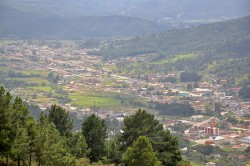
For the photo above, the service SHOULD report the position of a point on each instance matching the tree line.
(51, 141)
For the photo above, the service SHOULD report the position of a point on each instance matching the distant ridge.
(20, 25)
(231, 37)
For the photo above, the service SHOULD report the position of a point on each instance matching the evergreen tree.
(144, 124)
(5, 123)
(50, 147)
(78, 146)
(95, 132)
(30, 126)
(60, 118)
(167, 149)
(140, 124)
(113, 153)
(19, 150)
(141, 153)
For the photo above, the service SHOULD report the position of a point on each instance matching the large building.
(212, 130)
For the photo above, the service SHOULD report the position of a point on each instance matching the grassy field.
(36, 80)
(29, 72)
(176, 58)
(42, 88)
(88, 100)
(196, 164)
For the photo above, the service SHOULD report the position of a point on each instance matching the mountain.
(159, 10)
(83, 19)
(223, 37)
(218, 48)
(18, 24)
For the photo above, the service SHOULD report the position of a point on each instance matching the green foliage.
(78, 146)
(245, 92)
(189, 77)
(163, 142)
(207, 149)
(175, 109)
(13, 133)
(184, 163)
(166, 146)
(180, 127)
(24, 140)
(113, 153)
(5, 125)
(95, 132)
(170, 79)
(232, 120)
(141, 153)
(140, 124)
(50, 148)
(61, 119)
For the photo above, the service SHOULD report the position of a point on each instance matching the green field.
(29, 72)
(31, 80)
(176, 58)
(42, 88)
(88, 100)
(196, 164)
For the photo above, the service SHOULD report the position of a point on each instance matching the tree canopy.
(175, 109)
(141, 153)
(163, 142)
(95, 132)
(60, 118)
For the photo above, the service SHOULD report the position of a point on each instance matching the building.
(245, 140)
(210, 164)
(212, 130)
(219, 94)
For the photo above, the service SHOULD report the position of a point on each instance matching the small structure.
(197, 117)
(210, 164)
(209, 142)
(245, 140)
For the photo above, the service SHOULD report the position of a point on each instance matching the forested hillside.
(207, 48)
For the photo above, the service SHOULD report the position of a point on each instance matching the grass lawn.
(32, 80)
(196, 164)
(29, 72)
(42, 88)
(88, 100)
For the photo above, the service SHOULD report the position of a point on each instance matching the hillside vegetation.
(212, 48)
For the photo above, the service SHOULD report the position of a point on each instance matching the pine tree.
(78, 146)
(95, 132)
(60, 118)
(163, 142)
(140, 124)
(50, 147)
(5, 123)
(166, 146)
(141, 153)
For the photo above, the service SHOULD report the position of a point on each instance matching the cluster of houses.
(78, 71)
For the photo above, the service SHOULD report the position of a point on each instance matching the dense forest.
(51, 141)
(228, 37)
(220, 49)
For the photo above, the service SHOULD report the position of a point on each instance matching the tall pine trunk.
(30, 159)
(18, 162)
(7, 160)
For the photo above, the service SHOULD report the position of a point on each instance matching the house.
(210, 164)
